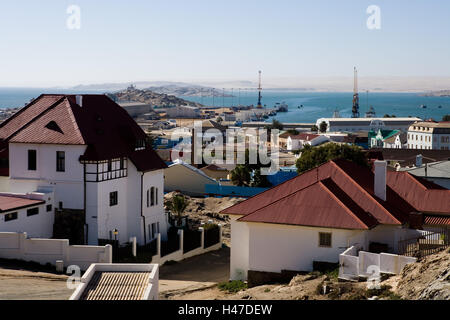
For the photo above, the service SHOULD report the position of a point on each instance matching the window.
(109, 165)
(152, 196)
(324, 239)
(113, 198)
(122, 163)
(154, 229)
(10, 216)
(60, 161)
(49, 207)
(32, 160)
(60, 205)
(32, 211)
(148, 198)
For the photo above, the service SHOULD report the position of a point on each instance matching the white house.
(95, 157)
(429, 135)
(185, 178)
(297, 142)
(316, 216)
(366, 124)
(29, 212)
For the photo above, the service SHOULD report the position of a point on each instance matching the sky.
(211, 40)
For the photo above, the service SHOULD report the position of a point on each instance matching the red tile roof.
(103, 126)
(337, 194)
(437, 220)
(8, 203)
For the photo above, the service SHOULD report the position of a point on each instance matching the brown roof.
(437, 220)
(8, 203)
(339, 194)
(102, 125)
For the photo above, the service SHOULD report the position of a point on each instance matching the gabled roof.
(99, 123)
(338, 194)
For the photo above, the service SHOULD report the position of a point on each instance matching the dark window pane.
(32, 211)
(32, 160)
(113, 198)
(60, 161)
(49, 207)
(10, 216)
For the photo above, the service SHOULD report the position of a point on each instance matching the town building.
(437, 172)
(408, 158)
(298, 142)
(31, 212)
(183, 112)
(94, 157)
(183, 177)
(382, 138)
(316, 216)
(366, 124)
(429, 136)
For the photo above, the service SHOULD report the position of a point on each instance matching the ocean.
(315, 104)
(323, 104)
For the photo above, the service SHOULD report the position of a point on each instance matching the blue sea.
(323, 104)
(315, 104)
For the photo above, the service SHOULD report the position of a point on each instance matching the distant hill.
(149, 97)
(440, 93)
(193, 91)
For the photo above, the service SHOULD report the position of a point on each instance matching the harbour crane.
(355, 108)
(259, 105)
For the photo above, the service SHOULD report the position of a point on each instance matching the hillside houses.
(94, 157)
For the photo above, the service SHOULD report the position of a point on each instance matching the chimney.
(418, 160)
(79, 100)
(380, 179)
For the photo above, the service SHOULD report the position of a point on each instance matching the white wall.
(43, 251)
(68, 185)
(239, 249)
(273, 248)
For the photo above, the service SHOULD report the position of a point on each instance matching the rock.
(438, 289)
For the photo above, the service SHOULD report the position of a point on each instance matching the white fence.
(17, 246)
(354, 264)
(179, 255)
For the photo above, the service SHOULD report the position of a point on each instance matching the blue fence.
(232, 191)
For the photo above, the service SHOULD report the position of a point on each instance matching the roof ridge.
(367, 193)
(278, 185)
(347, 209)
(269, 204)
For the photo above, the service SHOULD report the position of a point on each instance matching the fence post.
(133, 246)
(181, 234)
(108, 253)
(22, 239)
(65, 252)
(220, 233)
(158, 245)
(202, 237)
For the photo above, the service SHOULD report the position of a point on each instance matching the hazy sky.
(194, 40)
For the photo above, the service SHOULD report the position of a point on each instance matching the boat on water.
(439, 107)
(281, 107)
(423, 106)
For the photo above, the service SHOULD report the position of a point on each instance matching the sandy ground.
(29, 285)
(204, 209)
(194, 275)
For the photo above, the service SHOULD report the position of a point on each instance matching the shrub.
(232, 286)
